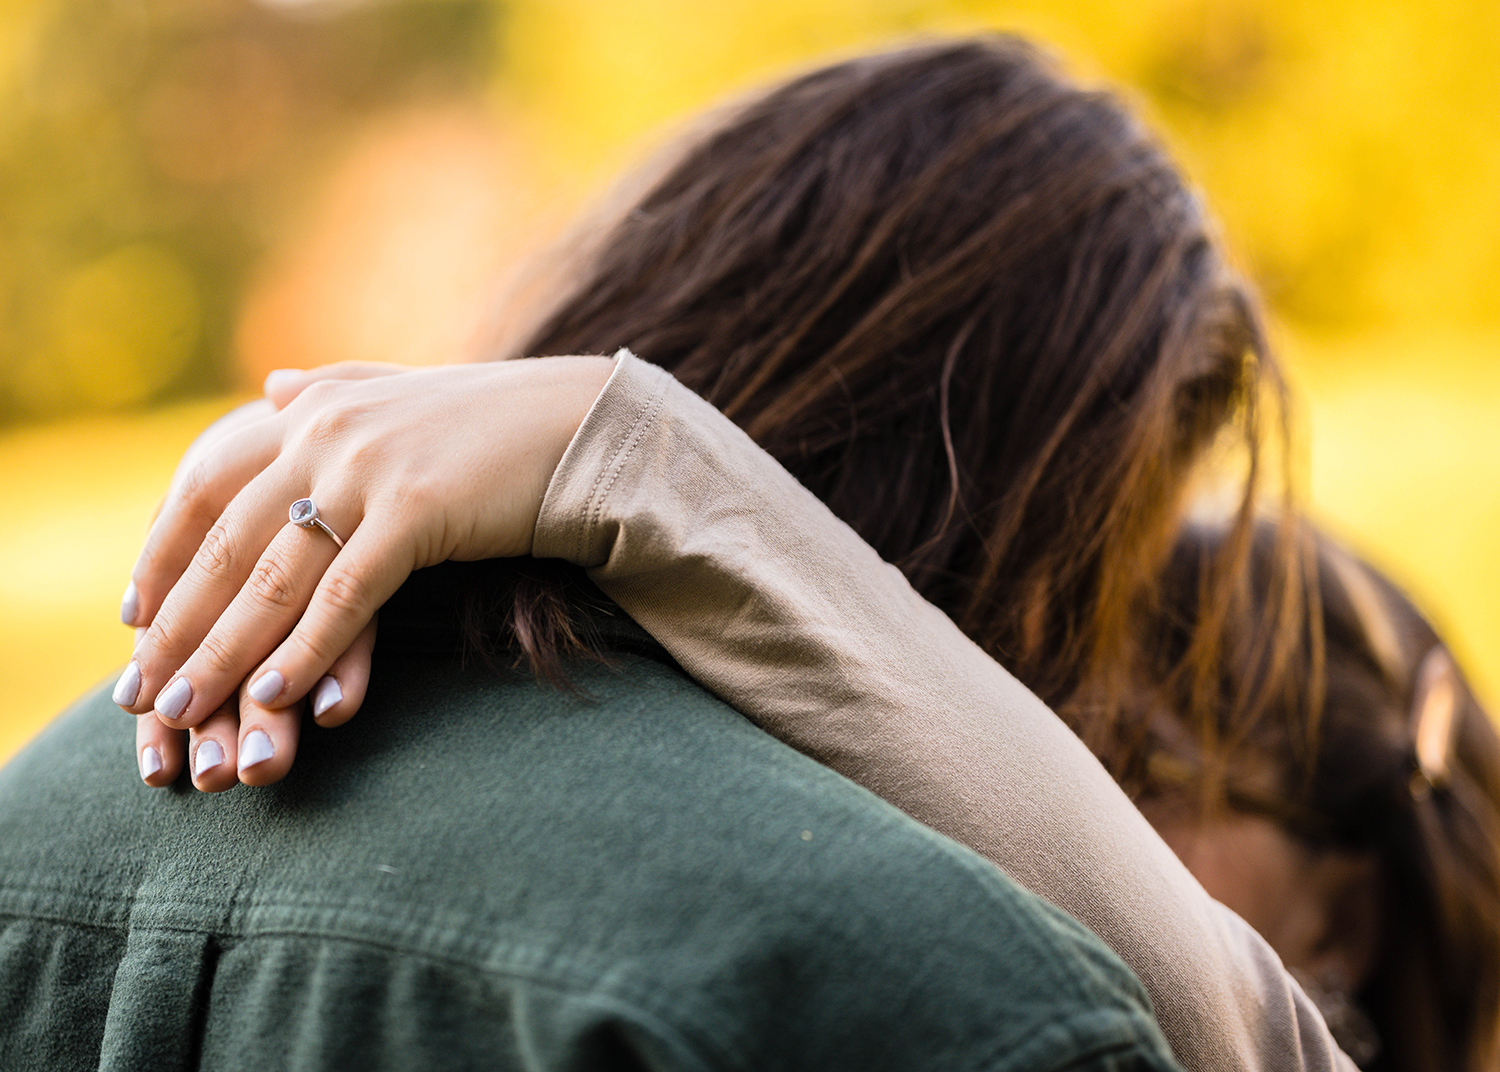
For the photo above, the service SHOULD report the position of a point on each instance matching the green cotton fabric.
(483, 872)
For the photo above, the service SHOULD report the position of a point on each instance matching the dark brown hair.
(1365, 661)
(974, 308)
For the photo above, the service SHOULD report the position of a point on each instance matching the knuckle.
(217, 554)
(319, 392)
(330, 425)
(270, 582)
(341, 427)
(310, 648)
(195, 493)
(217, 655)
(162, 634)
(193, 485)
(344, 595)
(364, 454)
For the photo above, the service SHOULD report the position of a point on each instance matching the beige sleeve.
(775, 605)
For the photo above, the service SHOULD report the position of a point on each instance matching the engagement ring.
(304, 512)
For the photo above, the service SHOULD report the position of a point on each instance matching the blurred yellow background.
(197, 191)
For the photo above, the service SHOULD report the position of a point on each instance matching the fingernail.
(325, 695)
(267, 687)
(255, 748)
(150, 762)
(173, 699)
(208, 756)
(128, 688)
(130, 604)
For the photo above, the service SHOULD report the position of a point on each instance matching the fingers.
(303, 589)
(210, 438)
(267, 741)
(261, 743)
(340, 692)
(159, 751)
(208, 480)
(283, 385)
(197, 656)
(268, 736)
(240, 742)
(209, 751)
(213, 745)
(229, 559)
(335, 635)
(246, 583)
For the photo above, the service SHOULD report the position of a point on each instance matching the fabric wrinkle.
(838, 656)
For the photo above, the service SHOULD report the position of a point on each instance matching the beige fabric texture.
(780, 609)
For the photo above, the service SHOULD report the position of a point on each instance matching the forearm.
(784, 612)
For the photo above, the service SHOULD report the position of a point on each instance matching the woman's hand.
(409, 468)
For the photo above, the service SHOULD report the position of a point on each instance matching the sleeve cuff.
(568, 524)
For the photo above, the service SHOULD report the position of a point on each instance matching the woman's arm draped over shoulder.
(783, 611)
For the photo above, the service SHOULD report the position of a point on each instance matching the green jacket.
(481, 872)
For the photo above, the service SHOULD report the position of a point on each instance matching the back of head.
(1381, 750)
(1430, 810)
(971, 305)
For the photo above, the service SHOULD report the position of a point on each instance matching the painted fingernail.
(267, 687)
(255, 748)
(174, 699)
(130, 604)
(128, 688)
(150, 762)
(325, 695)
(208, 756)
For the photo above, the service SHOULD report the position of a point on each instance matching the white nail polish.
(208, 756)
(267, 687)
(255, 748)
(128, 688)
(150, 762)
(325, 695)
(174, 698)
(130, 604)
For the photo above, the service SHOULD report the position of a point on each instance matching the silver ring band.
(304, 512)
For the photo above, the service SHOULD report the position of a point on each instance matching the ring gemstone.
(303, 512)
